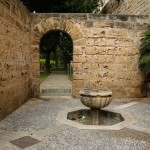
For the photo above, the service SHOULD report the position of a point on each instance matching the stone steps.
(56, 92)
(57, 84)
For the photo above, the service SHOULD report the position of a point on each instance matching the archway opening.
(56, 51)
(56, 54)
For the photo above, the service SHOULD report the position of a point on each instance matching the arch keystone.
(49, 23)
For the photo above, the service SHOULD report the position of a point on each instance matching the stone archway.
(38, 30)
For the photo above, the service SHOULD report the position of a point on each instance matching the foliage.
(145, 53)
(57, 42)
(81, 6)
(43, 76)
(42, 62)
(61, 6)
(56, 45)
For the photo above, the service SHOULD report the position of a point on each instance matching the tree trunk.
(47, 63)
(56, 61)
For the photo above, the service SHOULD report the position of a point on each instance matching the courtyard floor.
(37, 119)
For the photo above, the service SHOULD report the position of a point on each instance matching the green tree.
(80, 6)
(59, 44)
(61, 6)
(48, 44)
(144, 61)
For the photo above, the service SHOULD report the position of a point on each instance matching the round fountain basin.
(96, 98)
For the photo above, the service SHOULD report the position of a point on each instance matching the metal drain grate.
(25, 142)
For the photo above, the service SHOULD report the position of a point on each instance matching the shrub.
(144, 61)
(42, 62)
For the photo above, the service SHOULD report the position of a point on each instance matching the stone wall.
(105, 52)
(14, 55)
(106, 49)
(127, 7)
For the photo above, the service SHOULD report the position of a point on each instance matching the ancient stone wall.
(14, 55)
(106, 49)
(105, 52)
(127, 7)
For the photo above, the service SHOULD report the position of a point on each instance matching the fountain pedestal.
(95, 116)
(95, 99)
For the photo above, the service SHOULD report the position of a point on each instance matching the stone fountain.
(95, 99)
(95, 116)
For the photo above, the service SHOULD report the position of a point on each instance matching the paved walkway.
(57, 84)
(37, 119)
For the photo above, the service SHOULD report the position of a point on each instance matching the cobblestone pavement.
(37, 119)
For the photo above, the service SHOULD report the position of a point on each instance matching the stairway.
(57, 84)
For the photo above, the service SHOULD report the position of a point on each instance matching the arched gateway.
(44, 26)
(105, 50)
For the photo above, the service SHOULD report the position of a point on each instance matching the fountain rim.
(128, 120)
(95, 92)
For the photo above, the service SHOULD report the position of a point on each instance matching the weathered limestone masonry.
(106, 50)
(127, 7)
(14, 55)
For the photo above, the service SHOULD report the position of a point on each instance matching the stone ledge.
(91, 17)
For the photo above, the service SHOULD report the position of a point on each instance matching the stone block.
(105, 74)
(103, 24)
(90, 41)
(36, 90)
(99, 58)
(75, 92)
(109, 58)
(93, 50)
(91, 66)
(35, 67)
(78, 50)
(124, 75)
(77, 67)
(108, 83)
(80, 42)
(116, 50)
(121, 59)
(73, 30)
(88, 24)
(35, 58)
(84, 32)
(84, 75)
(78, 75)
(78, 83)
(119, 92)
(79, 59)
(93, 83)
(9, 17)
(118, 33)
(124, 42)
(97, 32)
(101, 41)
(77, 36)
(38, 29)
(133, 92)
(124, 25)
(110, 42)
(1, 11)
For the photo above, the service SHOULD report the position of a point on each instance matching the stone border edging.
(62, 117)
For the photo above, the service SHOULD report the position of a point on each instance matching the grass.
(43, 76)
